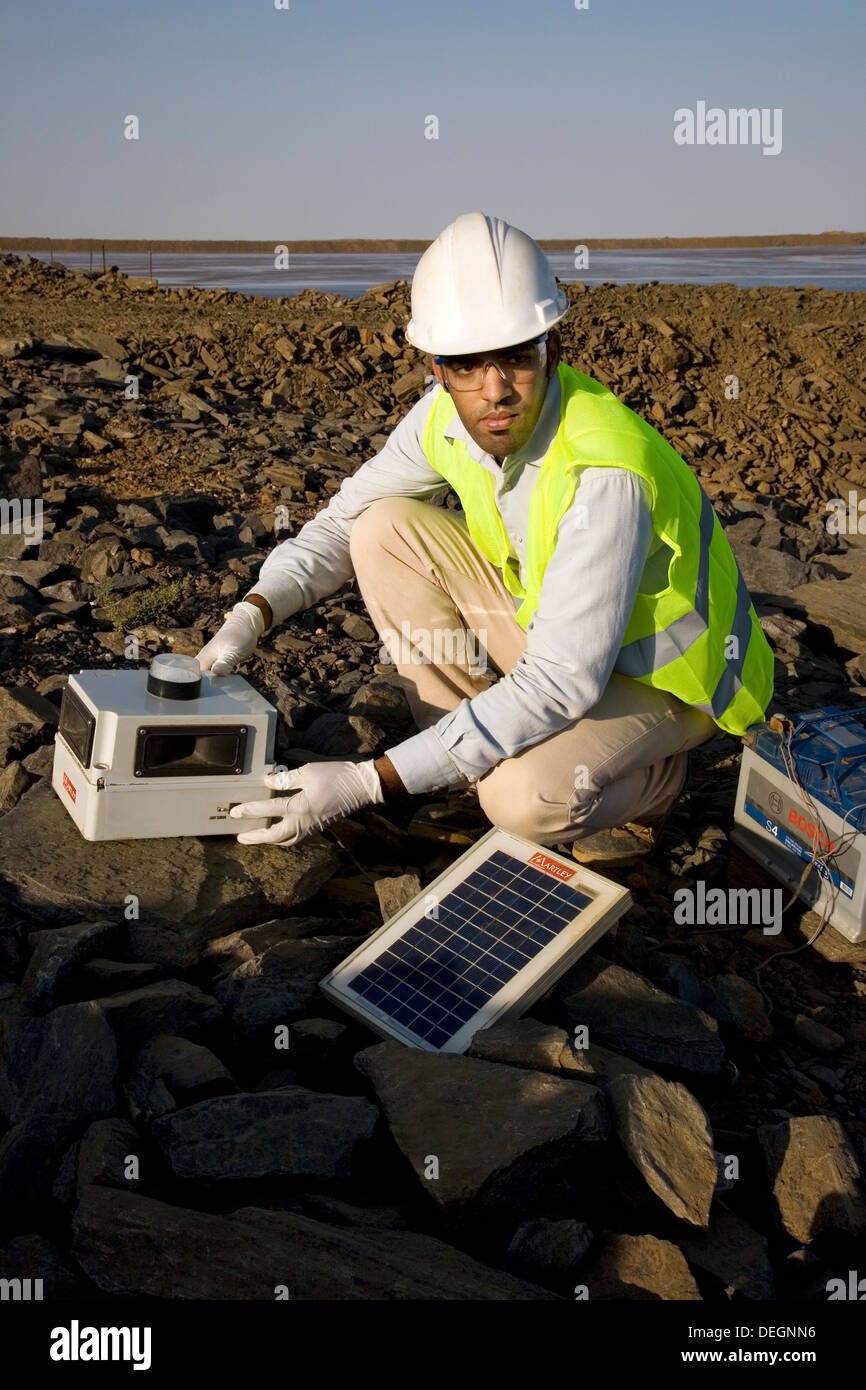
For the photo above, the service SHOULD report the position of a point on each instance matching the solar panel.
(485, 939)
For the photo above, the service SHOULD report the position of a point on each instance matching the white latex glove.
(324, 792)
(236, 640)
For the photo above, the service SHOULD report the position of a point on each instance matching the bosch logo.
(810, 829)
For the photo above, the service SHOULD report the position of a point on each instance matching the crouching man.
(587, 564)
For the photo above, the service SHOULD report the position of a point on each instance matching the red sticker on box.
(551, 866)
(68, 786)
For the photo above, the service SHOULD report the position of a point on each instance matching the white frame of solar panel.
(610, 901)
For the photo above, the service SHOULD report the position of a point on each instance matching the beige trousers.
(424, 580)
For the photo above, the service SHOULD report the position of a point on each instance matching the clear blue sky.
(309, 122)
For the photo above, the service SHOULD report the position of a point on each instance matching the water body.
(830, 268)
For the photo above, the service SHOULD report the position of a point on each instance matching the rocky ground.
(146, 1113)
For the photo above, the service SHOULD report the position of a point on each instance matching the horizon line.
(410, 245)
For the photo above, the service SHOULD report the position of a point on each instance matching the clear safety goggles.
(516, 364)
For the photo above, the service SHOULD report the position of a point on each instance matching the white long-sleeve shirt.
(605, 552)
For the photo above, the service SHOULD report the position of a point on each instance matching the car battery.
(161, 752)
(821, 822)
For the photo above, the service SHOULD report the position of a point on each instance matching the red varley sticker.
(551, 866)
(68, 786)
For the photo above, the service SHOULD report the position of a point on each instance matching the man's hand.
(323, 792)
(236, 640)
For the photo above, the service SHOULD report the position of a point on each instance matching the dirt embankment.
(759, 389)
(398, 246)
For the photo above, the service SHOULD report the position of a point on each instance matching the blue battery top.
(829, 752)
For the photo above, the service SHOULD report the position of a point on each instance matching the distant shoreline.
(360, 245)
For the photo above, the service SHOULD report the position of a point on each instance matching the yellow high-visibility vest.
(700, 637)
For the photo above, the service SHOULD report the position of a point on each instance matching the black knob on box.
(174, 677)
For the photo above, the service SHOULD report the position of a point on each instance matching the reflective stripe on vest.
(700, 637)
(647, 654)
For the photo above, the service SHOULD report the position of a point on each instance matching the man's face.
(501, 415)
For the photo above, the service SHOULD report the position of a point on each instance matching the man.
(587, 562)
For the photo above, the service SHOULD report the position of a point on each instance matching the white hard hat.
(482, 284)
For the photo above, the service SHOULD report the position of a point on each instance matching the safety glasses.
(516, 364)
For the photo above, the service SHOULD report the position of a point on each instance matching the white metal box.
(129, 764)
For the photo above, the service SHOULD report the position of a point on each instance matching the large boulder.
(188, 889)
(289, 1133)
(135, 1245)
(624, 1011)
(482, 1138)
(816, 1178)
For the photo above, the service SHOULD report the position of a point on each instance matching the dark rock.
(103, 1157)
(34, 573)
(105, 372)
(739, 1003)
(169, 1006)
(338, 735)
(67, 591)
(291, 1133)
(383, 703)
(358, 629)
(317, 1041)
(322, 1206)
(29, 1154)
(21, 704)
(625, 1011)
(104, 557)
(135, 1245)
(101, 344)
(598, 1066)
(188, 888)
(65, 1061)
(770, 571)
(35, 1258)
(817, 1035)
(411, 386)
(279, 986)
(13, 784)
(101, 976)
(227, 952)
(176, 1071)
(40, 762)
(15, 739)
(498, 1136)
(522, 1042)
(57, 954)
(733, 1253)
(548, 1252)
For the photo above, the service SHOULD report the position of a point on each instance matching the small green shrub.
(140, 607)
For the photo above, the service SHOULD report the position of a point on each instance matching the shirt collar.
(536, 446)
